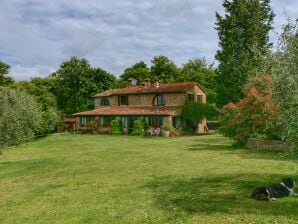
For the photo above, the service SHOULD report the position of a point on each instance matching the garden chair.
(156, 132)
(150, 131)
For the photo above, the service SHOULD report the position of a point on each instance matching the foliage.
(193, 113)
(286, 83)
(164, 69)
(245, 27)
(173, 131)
(76, 82)
(138, 71)
(139, 127)
(196, 112)
(116, 127)
(19, 117)
(197, 70)
(4, 80)
(227, 125)
(252, 115)
(46, 101)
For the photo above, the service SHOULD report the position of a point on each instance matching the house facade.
(157, 103)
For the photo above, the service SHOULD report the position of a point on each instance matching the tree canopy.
(138, 71)
(20, 117)
(46, 103)
(243, 31)
(199, 71)
(164, 69)
(75, 82)
(4, 70)
(285, 78)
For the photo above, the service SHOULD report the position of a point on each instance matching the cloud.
(36, 36)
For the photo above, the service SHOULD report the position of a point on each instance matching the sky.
(37, 36)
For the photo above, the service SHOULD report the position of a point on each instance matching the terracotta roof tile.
(69, 120)
(131, 110)
(173, 87)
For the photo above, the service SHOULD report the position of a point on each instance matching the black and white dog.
(270, 193)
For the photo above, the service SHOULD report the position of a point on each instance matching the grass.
(124, 179)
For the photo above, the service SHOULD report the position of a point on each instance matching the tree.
(251, 116)
(46, 103)
(4, 69)
(19, 117)
(164, 69)
(70, 78)
(76, 82)
(285, 78)
(138, 71)
(98, 81)
(197, 70)
(243, 29)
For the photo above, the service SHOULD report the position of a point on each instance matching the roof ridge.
(139, 89)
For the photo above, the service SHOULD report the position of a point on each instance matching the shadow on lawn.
(218, 194)
(244, 152)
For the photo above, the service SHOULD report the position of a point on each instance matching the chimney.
(146, 82)
(132, 82)
(156, 83)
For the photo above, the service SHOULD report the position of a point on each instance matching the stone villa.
(157, 103)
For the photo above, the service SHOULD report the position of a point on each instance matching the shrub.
(116, 127)
(252, 115)
(227, 125)
(46, 102)
(19, 117)
(139, 127)
(173, 131)
(193, 113)
(286, 83)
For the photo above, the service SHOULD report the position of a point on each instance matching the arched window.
(159, 100)
(105, 102)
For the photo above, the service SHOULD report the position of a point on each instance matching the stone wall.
(171, 99)
(253, 143)
(113, 101)
(202, 127)
(197, 92)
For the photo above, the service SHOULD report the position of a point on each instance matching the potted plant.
(173, 131)
(165, 132)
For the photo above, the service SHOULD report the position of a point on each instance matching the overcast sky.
(37, 35)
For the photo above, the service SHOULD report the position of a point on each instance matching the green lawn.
(123, 179)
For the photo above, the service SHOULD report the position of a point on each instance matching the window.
(124, 122)
(199, 98)
(159, 100)
(190, 97)
(155, 121)
(86, 120)
(105, 102)
(123, 100)
(176, 122)
(105, 121)
(83, 121)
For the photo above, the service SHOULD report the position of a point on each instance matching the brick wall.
(198, 91)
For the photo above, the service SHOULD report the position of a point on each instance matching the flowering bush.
(253, 114)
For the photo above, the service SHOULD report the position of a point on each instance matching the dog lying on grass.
(272, 192)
